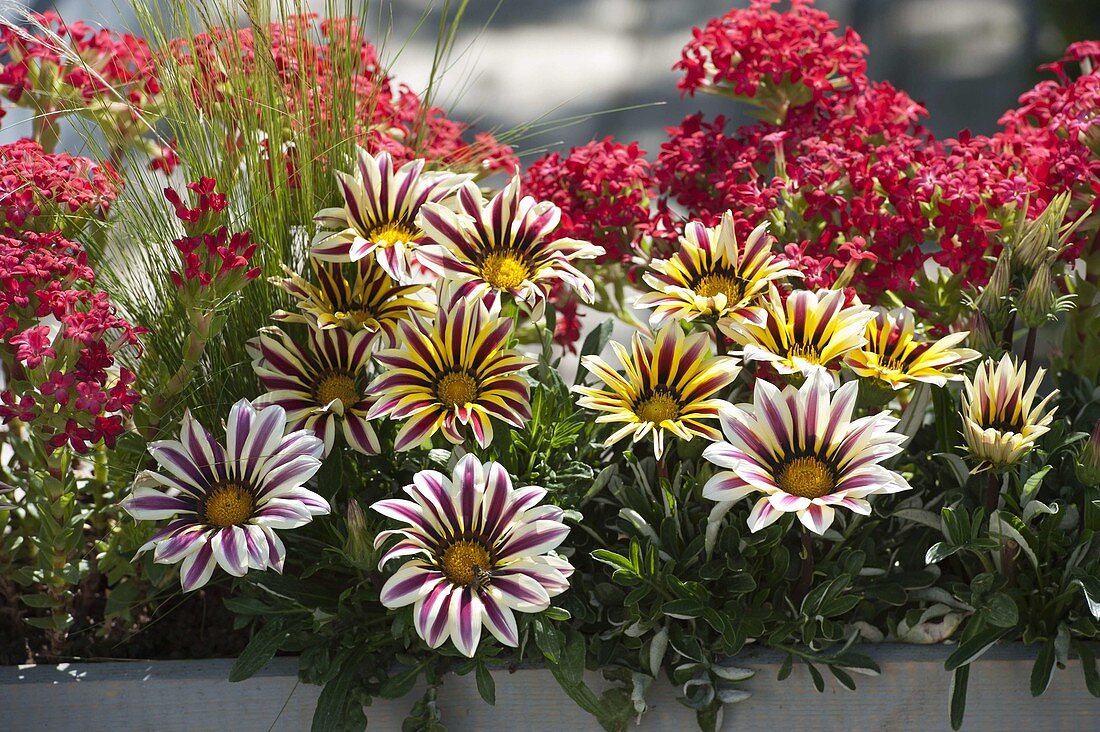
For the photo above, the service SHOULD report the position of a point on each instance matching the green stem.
(1029, 347)
(991, 494)
(806, 579)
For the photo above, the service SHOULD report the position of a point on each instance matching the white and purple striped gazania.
(322, 387)
(483, 549)
(801, 448)
(226, 502)
(503, 246)
(379, 213)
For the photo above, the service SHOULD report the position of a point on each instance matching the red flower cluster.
(604, 191)
(389, 116)
(792, 58)
(58, 340)
(38, 189)
(215, 261)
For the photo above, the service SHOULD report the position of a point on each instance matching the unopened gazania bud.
(1038, 239)
(1036, 305)
(359, 545)
(981, 337)
(991, 300)
(1088, 467)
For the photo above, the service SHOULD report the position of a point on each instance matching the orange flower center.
(657, 408)
(390, 232)
(337, 385)
(227, 504)
(808, 477)
(720, 283)
(456, 389)
(504, 270)
(465, 561)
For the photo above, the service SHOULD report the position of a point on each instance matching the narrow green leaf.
(1090, 585)
(815, 675)
(1043, 670)
(843, 677)
(973, 647)
(593, 344)
(259, 651)
(1032, 484)
(939, 551)
(785, 669)
(333, 704)
(485, 684)
(1088, 667)
(956, 700)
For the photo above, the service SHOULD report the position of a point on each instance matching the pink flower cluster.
(36, 187)
(390, 117)
(215, 261)
(58, 341)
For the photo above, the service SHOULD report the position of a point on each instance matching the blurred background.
(554, 60)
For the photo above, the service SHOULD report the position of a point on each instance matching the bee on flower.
(1001, 419)
(504, 247)
(669, 385)
(379, 215)
(711, 276)
(801, 449)
(895, 357)
(371, 300)
(322, 387)
(805, 332)
(452, 373)
(482, 551)
(226, 501)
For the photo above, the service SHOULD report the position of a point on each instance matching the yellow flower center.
(464, 561)
(387, 233)
(719, 283)
(805, 352)
(456, 389)
(504, 270)
(657, 408)
(808, 477)
(337, 385)
(227, 504)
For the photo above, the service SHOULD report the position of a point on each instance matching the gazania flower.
(1001, 420)
(709, 276)
(503, 246)
(669, 385)
(806, 332)
(372, 301)
(801, 448)
(225, 502)
(322, 387)
(895, 357)
(379, 213)
(452, 373)
(482, 554)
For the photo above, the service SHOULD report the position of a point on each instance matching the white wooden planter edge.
(911, 694)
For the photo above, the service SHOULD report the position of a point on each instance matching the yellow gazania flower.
(452, 374)
(1001, 422)
(803, 333)
(710, 275)
(668, 385)
(373, 301)
(895, 357)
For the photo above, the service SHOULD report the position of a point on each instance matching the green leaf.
(843, 677)
(1043, 670)
(611, 559)
(1000, 610)
(1090, 585)
(785, 669)
(815, 675)
(549, 640)
(684, 609)
(973, 647)
(37, 599)
(258, 652)
(956, 700)
(485, 684)
(939, 551)
(333, 710)
(957, 466)
(594, 344)
(557, 613)
(1088, 667)
(1032, 484)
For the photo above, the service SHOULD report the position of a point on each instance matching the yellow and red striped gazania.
(805, 332)
(371, 300)
(453, 373)
(669, 385)
(503, 246)
(894, 356)
(710, 275)
(1001, 420)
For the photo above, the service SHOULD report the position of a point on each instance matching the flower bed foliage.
(288, 336)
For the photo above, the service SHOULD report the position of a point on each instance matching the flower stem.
(1029, 347)
(807, 577)
(720, 345)
(991, 494)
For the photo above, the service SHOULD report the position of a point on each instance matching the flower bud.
(1037, 304)
(1088, 467)
(359, 545)
(991, 300)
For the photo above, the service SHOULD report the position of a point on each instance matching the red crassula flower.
(62, 337)
(39, 189)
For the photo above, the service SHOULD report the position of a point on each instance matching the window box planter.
(911, 694)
